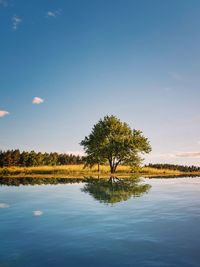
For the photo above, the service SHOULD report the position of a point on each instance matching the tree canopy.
(114, 142)
(26, 159)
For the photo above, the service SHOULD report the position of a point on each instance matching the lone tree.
(114, 142)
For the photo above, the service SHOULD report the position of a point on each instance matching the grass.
(154, 171)
(71, 171)
(58, 171)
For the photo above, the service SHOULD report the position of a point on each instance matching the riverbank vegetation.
(14, 163)
(70, 171)
(31, 159)
(174, 167)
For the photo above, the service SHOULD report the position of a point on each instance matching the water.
(153, 223)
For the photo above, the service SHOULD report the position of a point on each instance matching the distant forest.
(27, 159)
(174, 167)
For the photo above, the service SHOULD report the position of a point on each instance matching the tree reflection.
(115, 190)
(111, 190)
(38, 181)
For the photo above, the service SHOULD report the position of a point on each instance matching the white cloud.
(53, 14)
(188, 154)
(3, 113)
(161, 155)
(174, 157)
(37, 100)
(16, 21)
(76, 153)
(4, 206)
(37, 213)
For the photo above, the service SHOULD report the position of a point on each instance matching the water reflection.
(115, 190)
(110, 190)
(38, 181)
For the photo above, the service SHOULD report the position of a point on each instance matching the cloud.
(53, 14)
(4, 206)
(76, 153)
(16, 21)
(188, 155)
(3, 113)
(161, 155)
(37, 100)
(37, 213)
(198, 142)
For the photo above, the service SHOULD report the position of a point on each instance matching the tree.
(115, 142)
(26, 159)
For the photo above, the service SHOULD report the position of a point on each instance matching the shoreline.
(78, 171)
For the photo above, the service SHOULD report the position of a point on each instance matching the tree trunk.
(112, 168)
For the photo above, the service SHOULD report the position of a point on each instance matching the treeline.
(27, 159)
(174, 167)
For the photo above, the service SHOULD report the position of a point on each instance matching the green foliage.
(173, 167)
(114, 142)
(28, 159)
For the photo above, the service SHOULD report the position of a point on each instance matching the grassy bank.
(70, 171)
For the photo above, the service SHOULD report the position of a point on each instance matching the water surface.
(151, 223)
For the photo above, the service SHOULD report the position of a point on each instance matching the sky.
(66, 64)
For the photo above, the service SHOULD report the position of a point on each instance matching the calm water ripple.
(155, 222)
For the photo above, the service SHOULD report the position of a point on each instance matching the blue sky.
(138, 60)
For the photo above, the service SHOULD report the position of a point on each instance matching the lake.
(108, 223)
